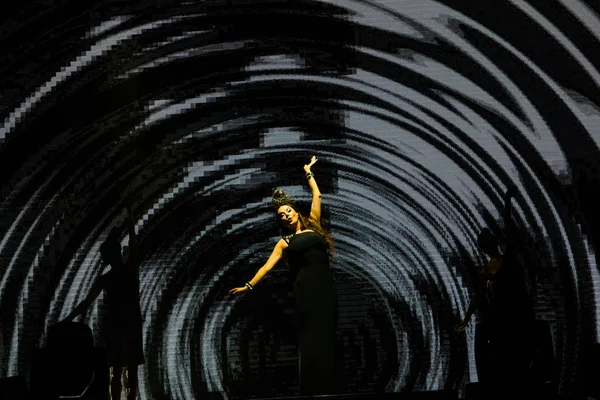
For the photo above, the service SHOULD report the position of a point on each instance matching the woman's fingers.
(313, 160)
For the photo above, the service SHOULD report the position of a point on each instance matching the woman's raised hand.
(313, 160)
(238, 290)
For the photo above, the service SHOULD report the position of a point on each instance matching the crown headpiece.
(281, 198)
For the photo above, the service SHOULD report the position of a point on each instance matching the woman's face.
(287, 216)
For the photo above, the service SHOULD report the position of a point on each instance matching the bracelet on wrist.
(249, 286)
(309, 175)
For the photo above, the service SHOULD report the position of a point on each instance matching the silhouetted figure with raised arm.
(504, 334)
(122, 318)
(308, 248)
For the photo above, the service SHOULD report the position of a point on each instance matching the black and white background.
(421, 113)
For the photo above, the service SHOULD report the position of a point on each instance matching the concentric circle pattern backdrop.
(421, 114)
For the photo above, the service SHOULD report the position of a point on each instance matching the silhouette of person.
(307, 247)
(506, 321)
(122, 317)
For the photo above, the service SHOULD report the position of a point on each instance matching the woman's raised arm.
(315, 208)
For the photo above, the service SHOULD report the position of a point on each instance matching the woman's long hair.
(280, 198)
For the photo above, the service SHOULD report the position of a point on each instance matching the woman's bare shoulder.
(284, 242)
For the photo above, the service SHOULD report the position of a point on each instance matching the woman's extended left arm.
(476, 300)
(315, 208)
(94, 292)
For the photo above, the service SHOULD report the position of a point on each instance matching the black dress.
(508, 330)
(316, 299)
(123, 317)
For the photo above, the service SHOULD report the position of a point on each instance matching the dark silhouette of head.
(110, 250)
(488, 242)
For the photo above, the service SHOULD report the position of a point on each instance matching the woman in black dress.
(307, 247)
(505, 336)
(122, 319)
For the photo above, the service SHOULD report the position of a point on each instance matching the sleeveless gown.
(123, 318)
(507, 328)
(316, 301)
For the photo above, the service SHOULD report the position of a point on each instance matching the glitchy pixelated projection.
(421, 114)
